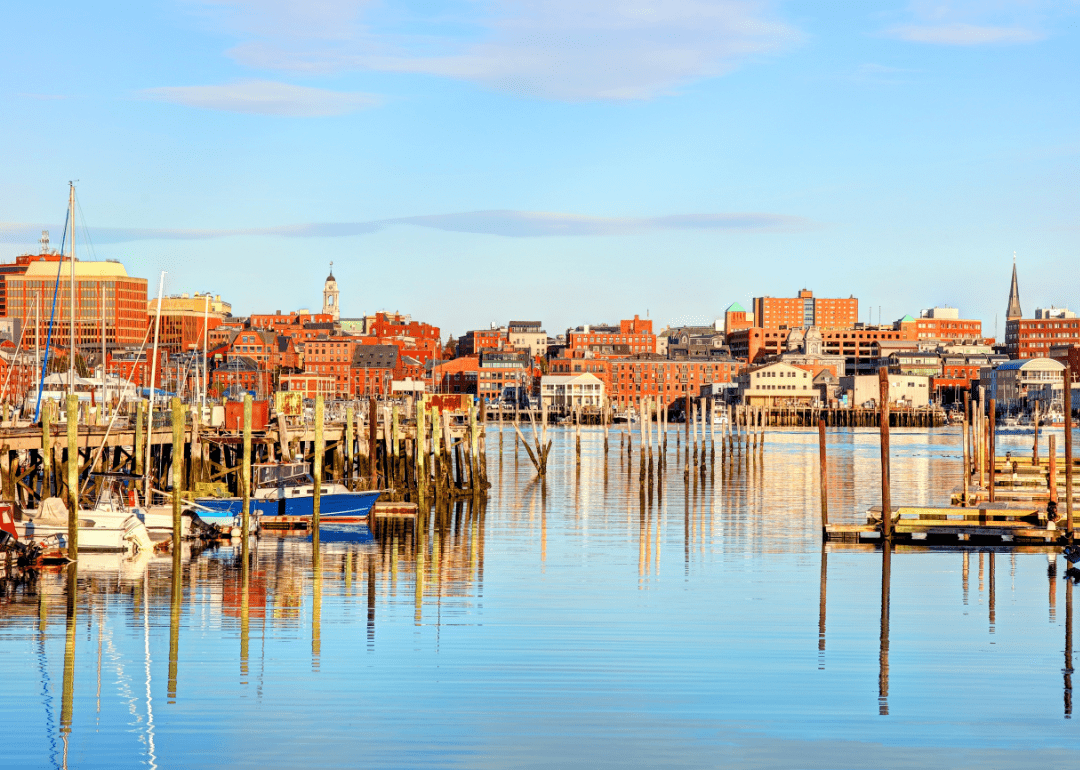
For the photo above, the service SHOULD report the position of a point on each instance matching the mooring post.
(991, 448)
(883, 419)
(823, 461)
(140, 416)
(1051, 471)
(316, 466)
(73, 476)
(46, 449)
(373, 442)
(420, 447)
(349, 445)
(967, 453)
(1067, 399)
(245, 478)
(177, 468)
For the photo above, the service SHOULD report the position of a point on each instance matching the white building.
(910, 390)
(776, 384)
(1015, 381)
(571, 390)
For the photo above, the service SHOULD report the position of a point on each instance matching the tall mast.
(101, 299)
(153, 376)
(205, 331)
(37, 338)
(71, 293)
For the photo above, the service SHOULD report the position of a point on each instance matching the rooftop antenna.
(44, 241)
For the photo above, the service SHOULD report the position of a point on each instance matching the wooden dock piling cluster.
(413, 451)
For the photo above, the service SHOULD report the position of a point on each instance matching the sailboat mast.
(153, 376)
(205, 328)
(71, 292)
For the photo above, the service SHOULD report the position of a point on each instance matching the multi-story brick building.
(630, 337)
(805, 310)
(372, 369)
(1034, 337)
(942, 323)
(186, 320)
(628, 380)
(101, 289)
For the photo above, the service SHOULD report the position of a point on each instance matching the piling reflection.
(1067, 671)
(822, 603)
(67, 698)
(175, 598)
(883, 651)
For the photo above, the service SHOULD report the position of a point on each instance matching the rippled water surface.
(570, 624)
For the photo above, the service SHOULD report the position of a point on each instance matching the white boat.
(100, 528)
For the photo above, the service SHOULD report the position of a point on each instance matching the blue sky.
(563, 160)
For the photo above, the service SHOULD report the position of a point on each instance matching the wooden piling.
(73, 476)
(991, 449)
(177, 469)
(317, 467)
(245, 476)
(824, 467)
(883, 418)
(373, 443)
(421, 447)
(1051, 476)
(349, 416)
(140, 419)
(46, 449)
(967, 463)
(1067, 401)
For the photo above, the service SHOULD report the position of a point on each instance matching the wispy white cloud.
(264, 97)
(981, 22)
(964, 34)
(561, 49)
(511, 224)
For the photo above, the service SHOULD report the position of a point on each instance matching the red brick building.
(372, 369)
(1034, 337)
(628, 380)
(630, 337)
(805, 310)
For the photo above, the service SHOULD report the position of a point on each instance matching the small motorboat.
(101, 528)
(287, 489)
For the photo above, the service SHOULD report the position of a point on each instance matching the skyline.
(565, 162)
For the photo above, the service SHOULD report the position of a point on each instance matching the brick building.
(630, 337)
(628, 380)
(805, 310)
(100, 288)
(1035, 337)
(372, 369)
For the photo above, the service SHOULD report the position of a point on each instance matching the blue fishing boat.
(287, 489)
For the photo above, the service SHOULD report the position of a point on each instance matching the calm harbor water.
(569, 624)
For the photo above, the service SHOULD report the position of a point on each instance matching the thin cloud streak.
(264, 97)
(965, 34)
(509, 224)
(569, 50)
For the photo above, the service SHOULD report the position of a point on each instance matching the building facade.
(805, 310)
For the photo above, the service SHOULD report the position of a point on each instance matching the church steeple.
(330, 295)
(1014, 297)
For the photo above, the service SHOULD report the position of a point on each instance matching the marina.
(410, 618)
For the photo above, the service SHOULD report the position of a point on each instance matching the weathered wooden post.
(245, 479)
(46, 449)
(177, 468)
(349, 457)
(436, 449)
(421, 447)
(140, 417)
(373, 442)
(824, 467)
(991, 448)
(73, 476)
(1067, 400)
(473, 444)
(317, 467)
(883, 418)
(967, 458)
(1035, 443)
(1051, 475)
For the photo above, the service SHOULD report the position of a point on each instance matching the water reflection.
(551, 597)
